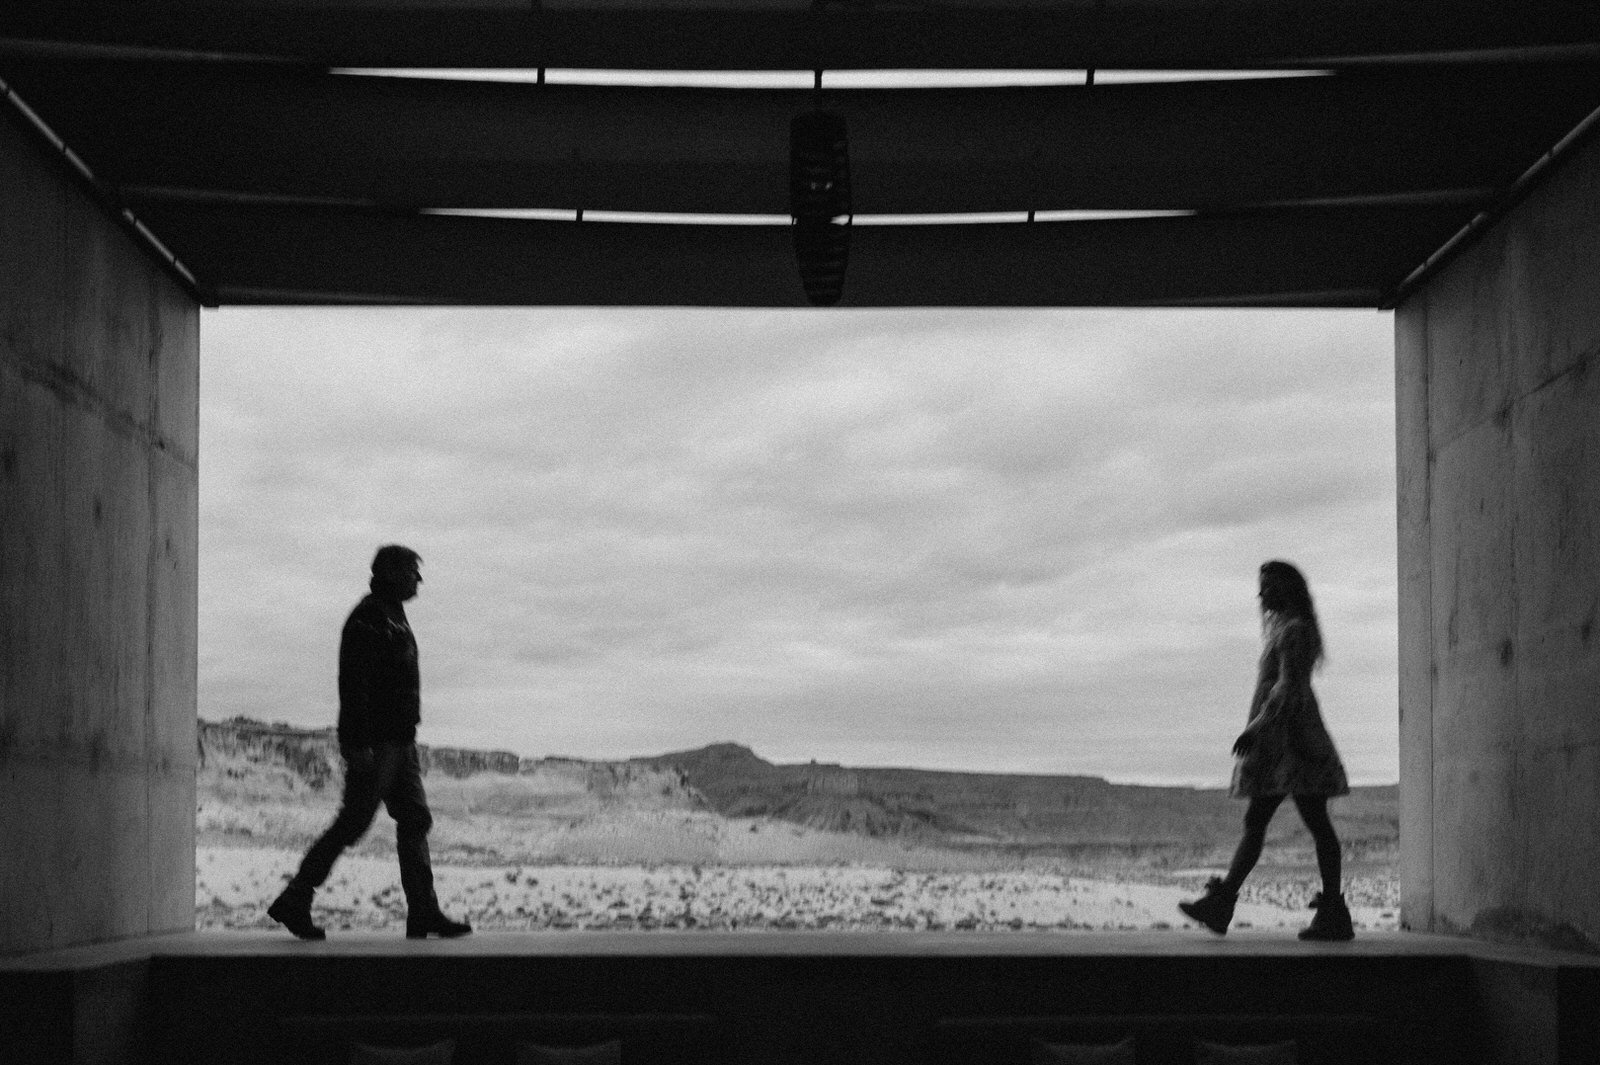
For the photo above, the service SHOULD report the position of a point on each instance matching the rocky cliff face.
(464, 762)
(312, 755)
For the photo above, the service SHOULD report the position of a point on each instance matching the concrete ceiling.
(221, 127)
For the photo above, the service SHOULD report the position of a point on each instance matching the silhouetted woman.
(1284, 751)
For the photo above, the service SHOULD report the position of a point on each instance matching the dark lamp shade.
(819, 193)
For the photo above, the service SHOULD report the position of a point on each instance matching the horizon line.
(1189, 784)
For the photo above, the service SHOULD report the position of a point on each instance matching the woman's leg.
(1256, 819)
(1314, 812)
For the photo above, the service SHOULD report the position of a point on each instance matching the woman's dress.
(1293, 753)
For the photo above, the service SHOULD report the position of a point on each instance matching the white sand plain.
(234, 884)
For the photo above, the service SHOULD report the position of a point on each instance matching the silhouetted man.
(379, 708)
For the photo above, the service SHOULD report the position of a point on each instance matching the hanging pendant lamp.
(819, 203)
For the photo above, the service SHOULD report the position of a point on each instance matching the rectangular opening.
(750, 620)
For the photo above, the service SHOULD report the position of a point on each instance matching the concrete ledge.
(1174, 944)
(83, 1014)
(793, 998)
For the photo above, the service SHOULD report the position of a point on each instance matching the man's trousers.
(392, 775)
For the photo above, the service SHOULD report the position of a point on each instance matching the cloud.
(988, 540)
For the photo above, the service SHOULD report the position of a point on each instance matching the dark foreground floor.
(792, 998)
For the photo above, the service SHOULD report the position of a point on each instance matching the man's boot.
(1214, 909)
(434, 924)
(292, 909)
(1332, 921)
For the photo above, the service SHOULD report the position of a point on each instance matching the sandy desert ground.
(234, 885)
(576, 845)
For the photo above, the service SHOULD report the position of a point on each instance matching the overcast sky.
(1019, 541)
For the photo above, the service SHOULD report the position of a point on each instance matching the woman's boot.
(1332, 921)
(1214, 909)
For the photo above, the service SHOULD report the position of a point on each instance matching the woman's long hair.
(1297, 601)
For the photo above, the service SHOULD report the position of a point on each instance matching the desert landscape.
(718, 838)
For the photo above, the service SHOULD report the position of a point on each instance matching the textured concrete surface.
(1417, 676)
(1498, 401)
(98, 434)
(801, 997)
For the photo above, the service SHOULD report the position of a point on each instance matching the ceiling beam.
(1133, 34)
(196, 133)
(1308, 258)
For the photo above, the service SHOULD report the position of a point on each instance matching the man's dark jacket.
(379, 685)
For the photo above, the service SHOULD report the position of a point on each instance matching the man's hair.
(393, 556)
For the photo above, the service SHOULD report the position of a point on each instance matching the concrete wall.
(98, 520)
(1498, 378)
